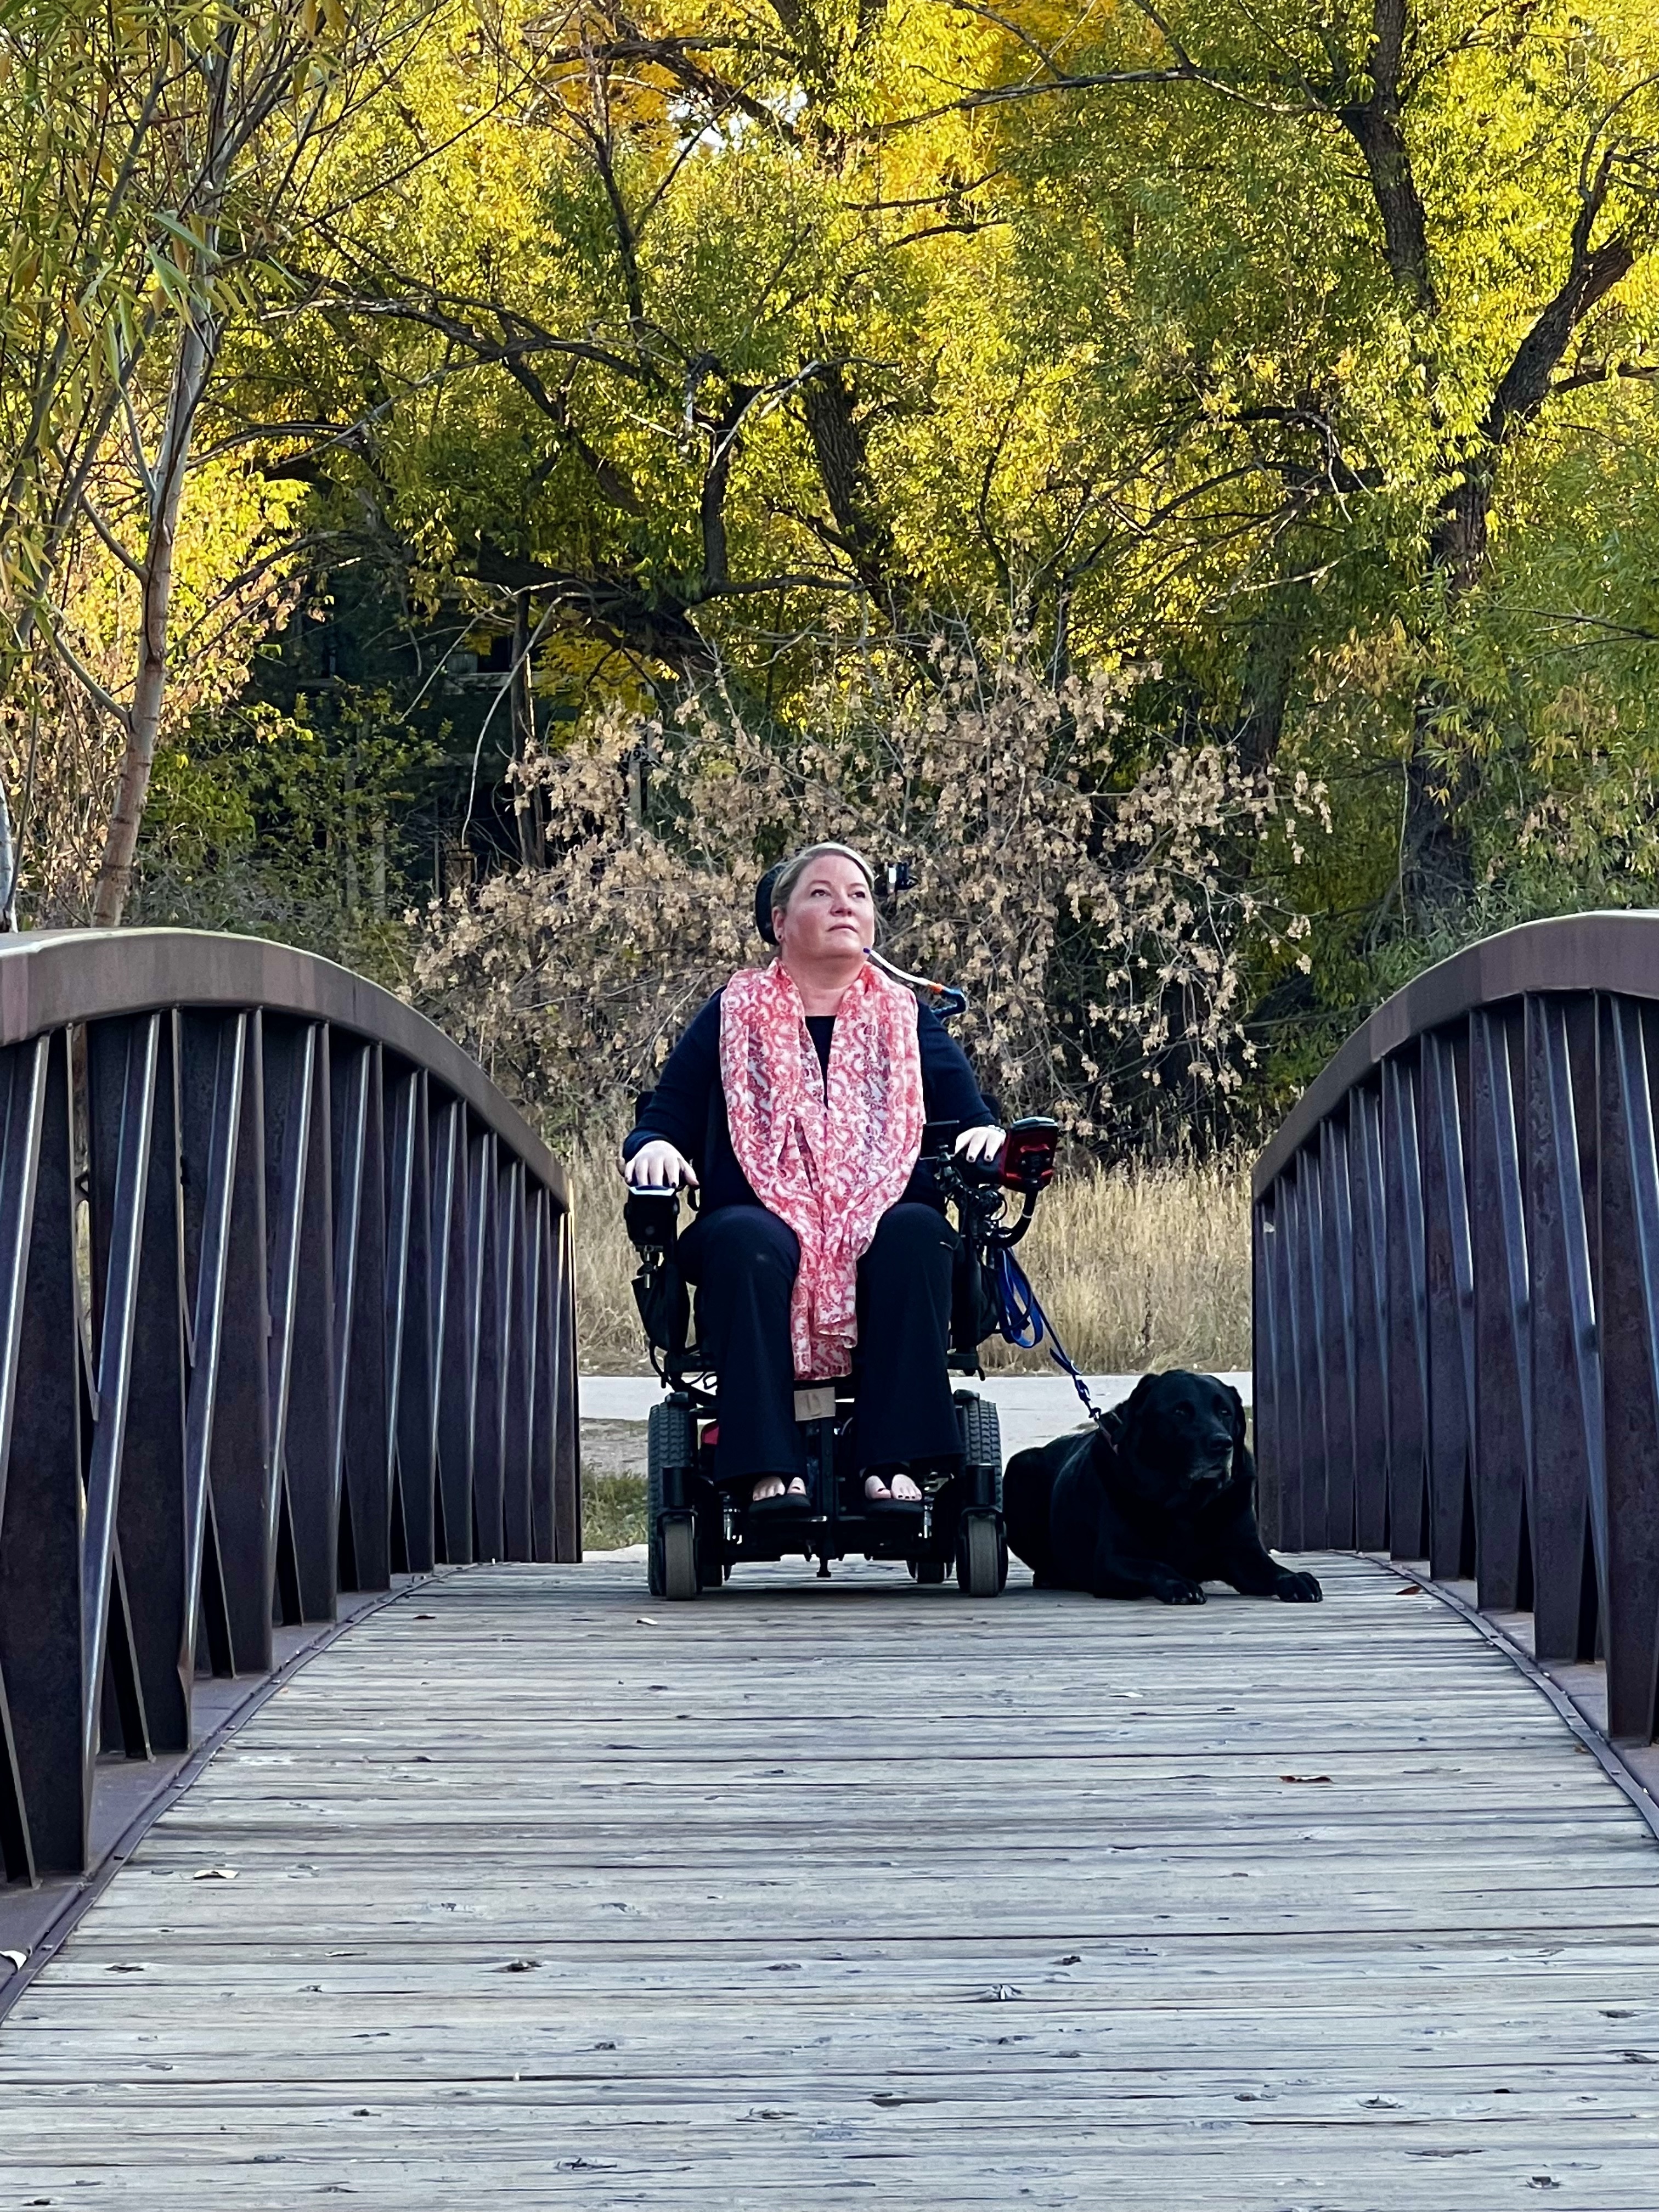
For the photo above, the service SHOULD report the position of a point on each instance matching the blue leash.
(1022, 1322)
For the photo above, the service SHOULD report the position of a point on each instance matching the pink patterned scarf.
(828, 1157)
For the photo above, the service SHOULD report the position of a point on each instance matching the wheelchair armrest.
(651, 1219)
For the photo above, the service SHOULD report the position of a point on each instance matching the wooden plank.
(545, 1891)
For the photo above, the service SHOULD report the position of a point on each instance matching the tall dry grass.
(1137, 1267)
(609, 1341)
(1141, 1267)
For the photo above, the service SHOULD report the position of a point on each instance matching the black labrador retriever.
(1155, 1501)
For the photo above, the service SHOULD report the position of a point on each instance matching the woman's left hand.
(980, 1146)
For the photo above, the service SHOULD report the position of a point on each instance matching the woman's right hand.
(659, 1166)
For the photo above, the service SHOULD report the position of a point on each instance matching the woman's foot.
(773, 1486)
(895, 1488)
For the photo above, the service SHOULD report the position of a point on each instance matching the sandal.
(882, 1500)
(792, 1498)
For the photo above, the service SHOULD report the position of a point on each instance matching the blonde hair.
(792, 870)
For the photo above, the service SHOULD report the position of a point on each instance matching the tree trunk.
(8, 866)
(526, 805)
(1437, 852)
(839, 446)
(191, 366)
(1436, 858)
(1272, 662)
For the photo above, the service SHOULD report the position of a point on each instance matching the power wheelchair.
(698, 1531)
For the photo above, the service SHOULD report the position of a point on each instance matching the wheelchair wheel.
(927, 1572)
(982, 1541)
(981, 1558)
(671, 1447)
(679, 1557)
(981, 1448)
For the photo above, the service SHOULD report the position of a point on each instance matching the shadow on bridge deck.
(560, 1896)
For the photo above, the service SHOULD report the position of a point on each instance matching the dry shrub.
(1139, 1268)
(1079, 898)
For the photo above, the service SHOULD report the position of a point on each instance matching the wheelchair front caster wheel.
(679, 1558)
(980, 1570)
(670, 1466)
(927, 1572)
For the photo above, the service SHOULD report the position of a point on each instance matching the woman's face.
(830, 914)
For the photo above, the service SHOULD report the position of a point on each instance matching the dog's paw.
(1175, 1590)
(1297, 1590)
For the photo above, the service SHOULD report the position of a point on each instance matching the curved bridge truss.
(285, 1309)
(1457, 1293)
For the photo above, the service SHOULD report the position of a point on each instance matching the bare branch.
(1592, 273)
(674, 55)
(528, 337)
(1604, 372)
(83, 676)
(949, 230)
(969, 103)
(133, 567)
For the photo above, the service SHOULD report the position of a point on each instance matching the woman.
(796, 1101)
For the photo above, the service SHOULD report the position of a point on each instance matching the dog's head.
(1181, 1440)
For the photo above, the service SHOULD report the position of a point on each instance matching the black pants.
(743, 1261)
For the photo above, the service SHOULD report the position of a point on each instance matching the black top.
(821, 1028)
(688, 1107)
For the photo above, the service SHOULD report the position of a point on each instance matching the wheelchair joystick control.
(1028, 1153)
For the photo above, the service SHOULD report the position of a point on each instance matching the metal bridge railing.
(1457, 1293)
(285, 1309)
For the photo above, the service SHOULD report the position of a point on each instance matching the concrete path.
(1031, 1408)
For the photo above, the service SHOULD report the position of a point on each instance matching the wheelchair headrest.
(763, 903)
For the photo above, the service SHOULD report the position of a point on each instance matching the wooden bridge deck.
(813, 1893)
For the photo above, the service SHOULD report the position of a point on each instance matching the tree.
(1286, 357)
(1114, 322)
(783, 350)
(638, 330)
(1472, 271)
(153, 162)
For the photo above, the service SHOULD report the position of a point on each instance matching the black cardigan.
(688, 1107)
